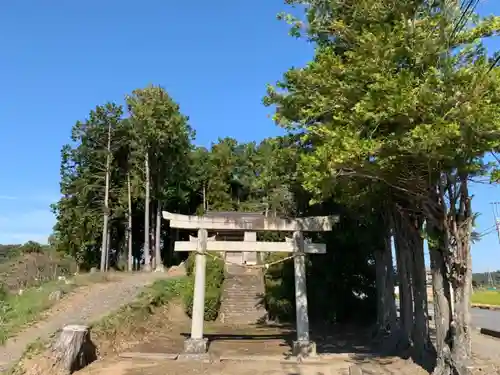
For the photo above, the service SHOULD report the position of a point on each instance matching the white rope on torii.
(318, 249)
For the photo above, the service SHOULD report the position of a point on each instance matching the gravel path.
(86, 305)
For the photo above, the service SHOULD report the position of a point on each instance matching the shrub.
(190, 264)
(213, 287)
(279, 296)
(3, 292)
(31, 247)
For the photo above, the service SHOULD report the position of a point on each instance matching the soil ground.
(340, 347)
(166, 329)
(83, 306)
(236, 345)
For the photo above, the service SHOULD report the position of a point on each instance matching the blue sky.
(59, 59)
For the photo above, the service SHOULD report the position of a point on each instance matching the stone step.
(241, 298)
(249, 308)
(243, 295)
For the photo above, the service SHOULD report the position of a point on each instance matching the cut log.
(73, 350)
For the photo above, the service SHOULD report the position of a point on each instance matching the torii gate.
(197, 344)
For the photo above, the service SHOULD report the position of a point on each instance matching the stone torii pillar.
(303, 346)
(197, 344)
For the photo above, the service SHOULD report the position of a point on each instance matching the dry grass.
(21, 309)
(33, 269)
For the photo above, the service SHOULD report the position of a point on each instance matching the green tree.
(163, 137)
(385, 100)
(84, 170)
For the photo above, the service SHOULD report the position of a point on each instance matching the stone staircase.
(242, 293)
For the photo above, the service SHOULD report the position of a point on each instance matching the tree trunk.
(108, 251)
(389, 286)
(386, 313)
(449, 229)
(129, 225)
(152, 238)
(421, 338)
(105, 245)
(442, 312)
(72, 351)
(147, 254)
(420, 334)
(405, 292)
(205, 208)
(159, 262)
(380, 284)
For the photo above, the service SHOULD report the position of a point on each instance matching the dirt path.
(486, 347)
(84, 306)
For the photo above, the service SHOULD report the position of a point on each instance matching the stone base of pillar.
(304, 348)
(160, 268)
(195, 346)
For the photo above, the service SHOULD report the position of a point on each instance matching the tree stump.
(73, 350)
(56, 295)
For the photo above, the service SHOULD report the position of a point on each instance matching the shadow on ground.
(277, 340)
(329, 340)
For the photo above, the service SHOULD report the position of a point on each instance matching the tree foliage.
(402, 96)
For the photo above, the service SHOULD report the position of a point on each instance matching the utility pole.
(496, 216)
(490, 279)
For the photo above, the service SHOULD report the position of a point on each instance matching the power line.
(487, 231)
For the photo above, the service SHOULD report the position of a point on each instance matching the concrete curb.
(151, 356)
(489, 332)
(319, 359)
(485, 307)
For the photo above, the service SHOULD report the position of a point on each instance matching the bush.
(31, 247)
(190, 264)
(279, 296)
(3, 292)
(213, 287)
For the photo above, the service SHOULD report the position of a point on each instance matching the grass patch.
(486, 297)
(19, 310)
